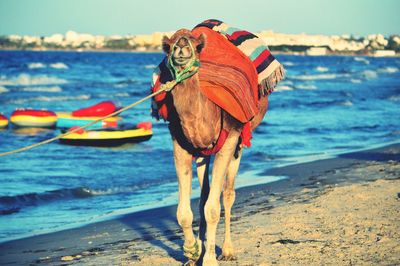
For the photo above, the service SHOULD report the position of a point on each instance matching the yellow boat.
(33, 118)
(109, 137)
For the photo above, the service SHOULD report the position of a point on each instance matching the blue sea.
(327, 105)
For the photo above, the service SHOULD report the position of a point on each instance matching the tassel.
(268, 84)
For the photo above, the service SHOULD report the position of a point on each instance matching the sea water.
(326, 105)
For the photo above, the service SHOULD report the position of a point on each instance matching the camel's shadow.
(159, 227)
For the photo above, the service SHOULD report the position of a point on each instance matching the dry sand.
(343, 211)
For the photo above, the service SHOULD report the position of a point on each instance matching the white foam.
(346, 103)
(369, 74)
(36, 65)
(119, 94)
(322, 69)
(59, 65)
(122, 94)
(361, 59)
(317, 76)
(388, 70)
(151, 66)
(42, 89)
(288, 63)
(394, 98)
(3, 89)
(51, 99)
(283, 88)
(306, 87)
(28, 80)
(355, 81)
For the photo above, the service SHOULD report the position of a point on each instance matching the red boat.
(99, 110)
(86, 115)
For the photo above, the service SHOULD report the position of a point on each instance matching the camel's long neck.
(200, 118)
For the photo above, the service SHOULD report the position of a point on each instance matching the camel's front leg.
(183, 165)
(213, 207)
(229, 199)
(203, 165)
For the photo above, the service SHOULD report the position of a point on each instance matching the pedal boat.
(109, 137)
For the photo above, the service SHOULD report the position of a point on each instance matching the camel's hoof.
(193, 253)
(227, 258)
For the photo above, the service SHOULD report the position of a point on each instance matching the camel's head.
(182, 47)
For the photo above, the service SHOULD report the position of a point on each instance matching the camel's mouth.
(181, 60)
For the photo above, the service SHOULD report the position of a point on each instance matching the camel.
(195, 124)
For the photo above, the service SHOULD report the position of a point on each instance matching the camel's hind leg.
(228, 199)
(212, 208)
(183, 165)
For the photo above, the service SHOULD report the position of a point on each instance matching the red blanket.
(227, 77)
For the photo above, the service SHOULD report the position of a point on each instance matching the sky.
(133, 17)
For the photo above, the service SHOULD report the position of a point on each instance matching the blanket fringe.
(268, 84)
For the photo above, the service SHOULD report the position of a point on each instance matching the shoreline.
(261, 177)
(154, 234)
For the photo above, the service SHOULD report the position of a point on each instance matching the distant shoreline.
(374, 44)
(157, 51)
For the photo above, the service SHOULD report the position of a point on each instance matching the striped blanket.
(269, 70)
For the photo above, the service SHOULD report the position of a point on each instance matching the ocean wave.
(369, 74)
(150, 66)
(13, 204)
(319, 76)
(329, 103)
(28, 80)
(42, 89)
(36, 65)
(288, 63)
(3, 89)
(345, 103)
(388, 70)
(394, 98)
(306, 87)
(361, 59)
(51, 99)
(322, 69)
(115, 95)
(59, 65)
(283, 88)
(356, 81)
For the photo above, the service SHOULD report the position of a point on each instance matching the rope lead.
(164, 88)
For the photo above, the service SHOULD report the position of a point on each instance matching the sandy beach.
(339, 211)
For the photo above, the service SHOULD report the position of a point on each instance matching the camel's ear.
(202, 42)
(166, 44)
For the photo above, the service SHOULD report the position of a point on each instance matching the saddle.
(236, 69)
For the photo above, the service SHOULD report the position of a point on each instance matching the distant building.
(381, 53)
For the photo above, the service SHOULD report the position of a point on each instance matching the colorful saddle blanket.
(236, 68)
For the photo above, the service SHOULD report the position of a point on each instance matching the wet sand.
(340, 211)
